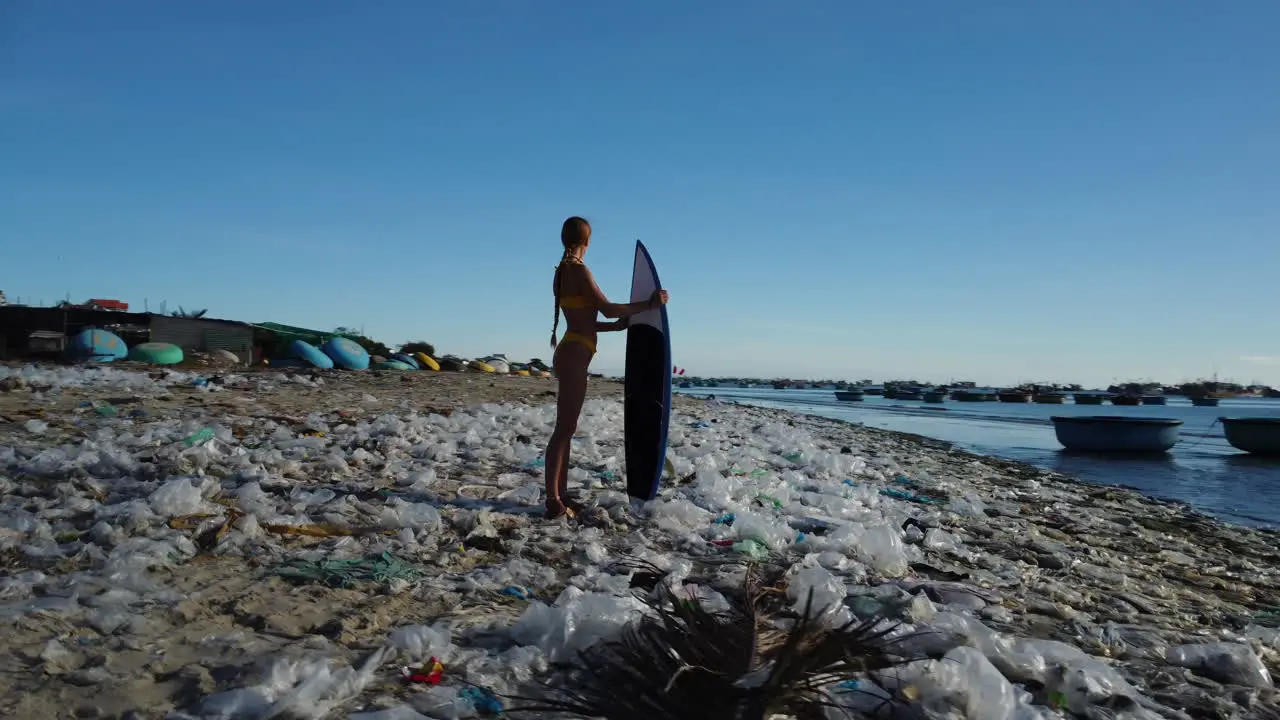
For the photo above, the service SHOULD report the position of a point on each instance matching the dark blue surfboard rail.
(647, 398)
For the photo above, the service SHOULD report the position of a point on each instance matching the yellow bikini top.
(574, 302)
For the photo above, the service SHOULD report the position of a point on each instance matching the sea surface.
(1202, 469)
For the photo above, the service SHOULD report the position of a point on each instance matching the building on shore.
(38, 332)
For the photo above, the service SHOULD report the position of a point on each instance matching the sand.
(996, 553)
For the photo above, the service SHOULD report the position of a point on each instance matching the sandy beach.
(216, 544)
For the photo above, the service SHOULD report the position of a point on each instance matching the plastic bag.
(1226, 662)
(827, 589)
(966, 681)
(882, 549)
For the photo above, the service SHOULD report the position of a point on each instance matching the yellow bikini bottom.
(577, 337)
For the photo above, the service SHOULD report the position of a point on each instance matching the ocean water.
(1202, 469)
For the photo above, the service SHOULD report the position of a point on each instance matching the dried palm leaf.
(682, 661)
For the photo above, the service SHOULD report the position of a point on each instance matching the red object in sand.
(431, 673)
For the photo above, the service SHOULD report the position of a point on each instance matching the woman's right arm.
(615, 311)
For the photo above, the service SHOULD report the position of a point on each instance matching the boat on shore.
(1254, 435)
(1116, 433)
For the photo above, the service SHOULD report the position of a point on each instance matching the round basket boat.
(1256, 435)
(346, 353)
(95, 345)
(310, 354)
(390, 365)
(156, 353)
(1116, 433)
(406, 359)
(426, 362)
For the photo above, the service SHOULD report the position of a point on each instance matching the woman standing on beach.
(577, 294)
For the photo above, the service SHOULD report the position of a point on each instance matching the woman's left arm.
(612, 326)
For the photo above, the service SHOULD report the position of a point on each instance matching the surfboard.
(647, 385)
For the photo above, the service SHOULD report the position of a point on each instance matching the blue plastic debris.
(517, 592)
(484, 701)
(908, 496)
(904, 480)
(725, 519)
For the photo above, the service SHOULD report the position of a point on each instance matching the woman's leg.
(571, 362)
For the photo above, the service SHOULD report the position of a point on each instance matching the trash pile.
(396, 565)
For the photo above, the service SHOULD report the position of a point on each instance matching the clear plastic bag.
(1230, 663)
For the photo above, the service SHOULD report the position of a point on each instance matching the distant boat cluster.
(1201, 394)
(1010, 395)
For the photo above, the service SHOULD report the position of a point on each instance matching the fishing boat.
(850, 395)
(907, 393)
(1204, 401)
(1126, 400)
(1155, 400)
(1049, 398)
(1090, 398)
(935, 396)
(1255, 435)
(1116, 433)
(1013, 396)
(973, 395)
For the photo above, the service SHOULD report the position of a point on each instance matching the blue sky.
(999, 191)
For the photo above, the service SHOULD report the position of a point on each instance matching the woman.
(577, 294)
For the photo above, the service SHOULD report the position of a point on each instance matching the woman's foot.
(558, 509)
(574, 505)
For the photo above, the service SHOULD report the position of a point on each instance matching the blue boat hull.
(1116, 434)
(1258, 436)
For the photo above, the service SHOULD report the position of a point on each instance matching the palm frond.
(682, 661)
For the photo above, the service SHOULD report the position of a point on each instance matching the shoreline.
(153, 555)
(1245, 521)
(1024, 467)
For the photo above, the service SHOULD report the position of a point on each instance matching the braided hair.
(573, 234)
